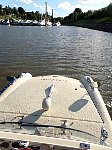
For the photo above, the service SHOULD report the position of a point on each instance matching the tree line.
(78, 15)
(20, 13)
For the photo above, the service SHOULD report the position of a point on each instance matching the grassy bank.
(96, 26)
(103, 24)
(2, 17)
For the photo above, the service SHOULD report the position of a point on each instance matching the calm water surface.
(69, 51)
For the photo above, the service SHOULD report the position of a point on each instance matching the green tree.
(1, 10)
(30, 15)
(21, 12)
(109, 9)
(37, 15)
(7, 10)
(78, 10)
(14, 11)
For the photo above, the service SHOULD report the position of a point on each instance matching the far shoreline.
(101, 27)
(106, 27)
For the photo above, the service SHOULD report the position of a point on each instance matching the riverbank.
(101, 27)
(102, 24)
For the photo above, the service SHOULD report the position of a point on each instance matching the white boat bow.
(55, 110)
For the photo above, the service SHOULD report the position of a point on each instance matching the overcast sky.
(61, 7)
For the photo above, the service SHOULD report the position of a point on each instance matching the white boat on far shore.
(57, 24)
(49, 23)
(44, 23)
(5, 22)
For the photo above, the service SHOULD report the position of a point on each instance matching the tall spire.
(46, 13)
(52, 13)
(52, 18)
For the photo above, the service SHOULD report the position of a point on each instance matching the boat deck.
(70, 103)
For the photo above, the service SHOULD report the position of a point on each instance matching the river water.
(69, 51)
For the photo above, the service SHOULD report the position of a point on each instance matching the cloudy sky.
(61, 7)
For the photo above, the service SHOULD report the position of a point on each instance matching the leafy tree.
(37, 15)
(21, 12)
(109, 9)
(30, 15)
(1, 10)
(7, 10)
(78, 10)
(14, 10)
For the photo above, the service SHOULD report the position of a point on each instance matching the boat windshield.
(48, 130)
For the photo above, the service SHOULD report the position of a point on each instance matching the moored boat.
(54, 112)
(57, 24)
(6, 22)
(45, 23)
